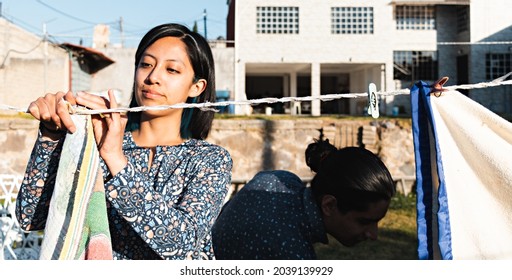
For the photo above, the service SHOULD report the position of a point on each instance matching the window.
(352, 20)
(497, 65)
(415, 17)
(277, 20)
(462, 19)
(415, 65)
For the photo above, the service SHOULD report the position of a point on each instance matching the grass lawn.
(397, 237)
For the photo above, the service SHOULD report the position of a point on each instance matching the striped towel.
(77, 224)
(463, 155)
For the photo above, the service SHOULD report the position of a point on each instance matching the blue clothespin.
(373, 102)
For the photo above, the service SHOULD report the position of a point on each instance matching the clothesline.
(477, 43)
(327, 97)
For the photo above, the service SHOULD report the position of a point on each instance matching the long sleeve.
(173, 210)
(33, 199)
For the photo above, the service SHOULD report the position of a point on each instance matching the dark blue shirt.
(274, 216)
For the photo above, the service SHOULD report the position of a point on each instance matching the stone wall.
(262, 143)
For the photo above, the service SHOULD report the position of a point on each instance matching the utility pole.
(121, 31)
(45, 38)
(204, 18)
(45, 53)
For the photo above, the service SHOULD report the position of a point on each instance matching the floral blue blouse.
(273, 217)
(162, 211)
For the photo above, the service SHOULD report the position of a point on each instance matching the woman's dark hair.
(195, 123)
(353, 175)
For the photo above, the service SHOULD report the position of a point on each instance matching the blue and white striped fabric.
(463, 154)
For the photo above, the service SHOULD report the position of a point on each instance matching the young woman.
(275, 216)
(164, 184)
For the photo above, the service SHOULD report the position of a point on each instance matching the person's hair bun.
(317, 151)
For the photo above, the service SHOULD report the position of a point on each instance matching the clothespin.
(437, 87)
(373, 102)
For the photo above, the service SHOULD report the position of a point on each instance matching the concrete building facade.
(312, 48)
(30, 66)
(281, 48)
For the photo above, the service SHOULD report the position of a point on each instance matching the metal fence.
(15, 243)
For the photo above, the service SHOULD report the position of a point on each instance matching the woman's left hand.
(108, 129)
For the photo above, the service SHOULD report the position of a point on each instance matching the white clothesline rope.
(327, 97)
(477, 43)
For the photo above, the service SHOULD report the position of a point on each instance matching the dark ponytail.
(318, 151)
(353, 175)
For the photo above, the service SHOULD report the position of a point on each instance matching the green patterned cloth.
(77, 225)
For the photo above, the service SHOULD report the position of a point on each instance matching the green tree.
(195, 27)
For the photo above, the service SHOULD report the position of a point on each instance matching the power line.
(21, 23)
(20, 52)
(65, 14)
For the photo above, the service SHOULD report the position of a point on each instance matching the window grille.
(277, 20)
(497, 65)
(415, 18)
(352, 20)
(415, 65)
(462, 19)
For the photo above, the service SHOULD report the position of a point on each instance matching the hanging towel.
(463, 155)
(77, 224)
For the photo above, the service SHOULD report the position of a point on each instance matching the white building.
(312, 47)
(280, 48)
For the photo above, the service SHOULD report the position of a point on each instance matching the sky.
(73, 21)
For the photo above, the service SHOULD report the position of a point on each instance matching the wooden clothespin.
(373, 102)
(437, 87)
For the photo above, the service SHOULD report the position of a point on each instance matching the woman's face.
(355, 226)
(164, 75)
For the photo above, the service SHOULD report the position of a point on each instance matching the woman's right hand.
(53, 113)
(108, 129)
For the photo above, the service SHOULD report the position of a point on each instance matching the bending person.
(275, 216)
(175, 182)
